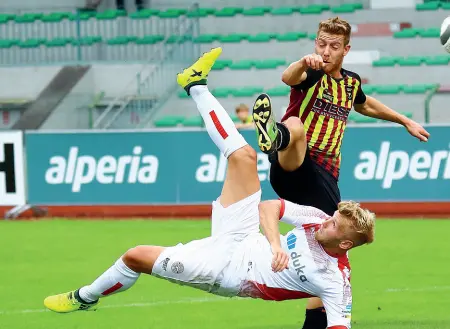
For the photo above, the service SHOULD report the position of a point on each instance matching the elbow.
(274, 205)
(285, 77)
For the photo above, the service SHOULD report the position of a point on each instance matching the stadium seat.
(201, 12)
(430, 33)
(222, 64)
(428, 6)
(207, 38)
(438, 60)
(311, 10)
(58, 42)
(148, 39)
(233, 37)
(291, 36)
(247, 91)
(344, 8)
(283, 11)
(368, 89)
(411, 61)
(386, 61)
(388, 89)
(355, 117)
(222, 92)
(406, 33)
(417, 88)
(279, 91)
(244, 64)
(269, 63)
(257, 11)
(260, 37)
(194, 121)
(168, 121)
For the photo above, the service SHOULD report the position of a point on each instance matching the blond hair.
(362, 221)
(337, 26)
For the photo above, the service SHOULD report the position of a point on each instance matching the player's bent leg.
(316, 317)
(291, 158)
(119, 277)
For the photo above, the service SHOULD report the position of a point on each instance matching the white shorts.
(204, 264)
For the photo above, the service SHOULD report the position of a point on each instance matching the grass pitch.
(402, 281)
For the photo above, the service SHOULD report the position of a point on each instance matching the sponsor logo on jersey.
(291, 239)
(298, 266)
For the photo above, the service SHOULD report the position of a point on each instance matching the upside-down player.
(305, 149)
(311, 260)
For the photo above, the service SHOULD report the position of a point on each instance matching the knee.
(296, 128)
(246, 154)
(134, 258)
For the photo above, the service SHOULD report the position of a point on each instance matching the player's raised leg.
(242, 176)
(287, 138)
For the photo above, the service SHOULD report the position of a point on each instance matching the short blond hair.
(337, 26)
(362, 221)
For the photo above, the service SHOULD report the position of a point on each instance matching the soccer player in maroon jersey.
(304, 149)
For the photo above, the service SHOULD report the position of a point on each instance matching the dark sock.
(283, 138)
(78, 298)
(315, 319)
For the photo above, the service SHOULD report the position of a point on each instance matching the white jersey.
(312, 272)
(236, 260)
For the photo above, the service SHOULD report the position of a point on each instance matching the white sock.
(117, 278)
(218, 123)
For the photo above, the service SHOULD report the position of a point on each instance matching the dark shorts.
(309, 185)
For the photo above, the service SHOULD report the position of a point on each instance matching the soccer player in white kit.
(237, 260)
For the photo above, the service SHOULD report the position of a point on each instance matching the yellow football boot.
(67, 302)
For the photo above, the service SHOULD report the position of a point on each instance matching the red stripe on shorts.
(115, 287)
(218, 125)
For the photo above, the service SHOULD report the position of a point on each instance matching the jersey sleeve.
(338, 306)
(298, 215)
(360, 97)
(312, 76)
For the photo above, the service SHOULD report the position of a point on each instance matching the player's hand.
(313, 61)
(280, 259)
(417, 131)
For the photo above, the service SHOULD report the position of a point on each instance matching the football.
(445, 34)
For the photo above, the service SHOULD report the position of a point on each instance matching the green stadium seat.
(179, 11)
(233, 37)
(58, 42)
(222, 92)
(254, 12)
(86, 41)
(226, 12)
(25, 18)
(149, 39)
(179, 38)
(247, 91)
(418, 88)
(406, 33)
(141, 14)
(428, 6)
(182, 94)
(312, 36)
(109, 14)
(207, 38)
(5, 44)
(260, 37)
(430, 33)
(344, 8)
(291, 36)
(222, 64)
(55, 17)
(80, 17)
(445, 5)
(386, 61)
(169, 14)
(407, 114)
(245, 64)
(31, 43)
(283, 11)
(201, 12)
(411, 61)
(388, 89)
(279, 91)
(269, 63)
(368, 89)
(355, 117)
(311, 10)
(168, 121)
(438, 60)
(195, 121)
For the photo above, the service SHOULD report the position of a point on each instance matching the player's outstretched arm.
(375, 109)
(269, 213)
(296, 71)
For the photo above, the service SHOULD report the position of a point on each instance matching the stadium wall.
(160, 173)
